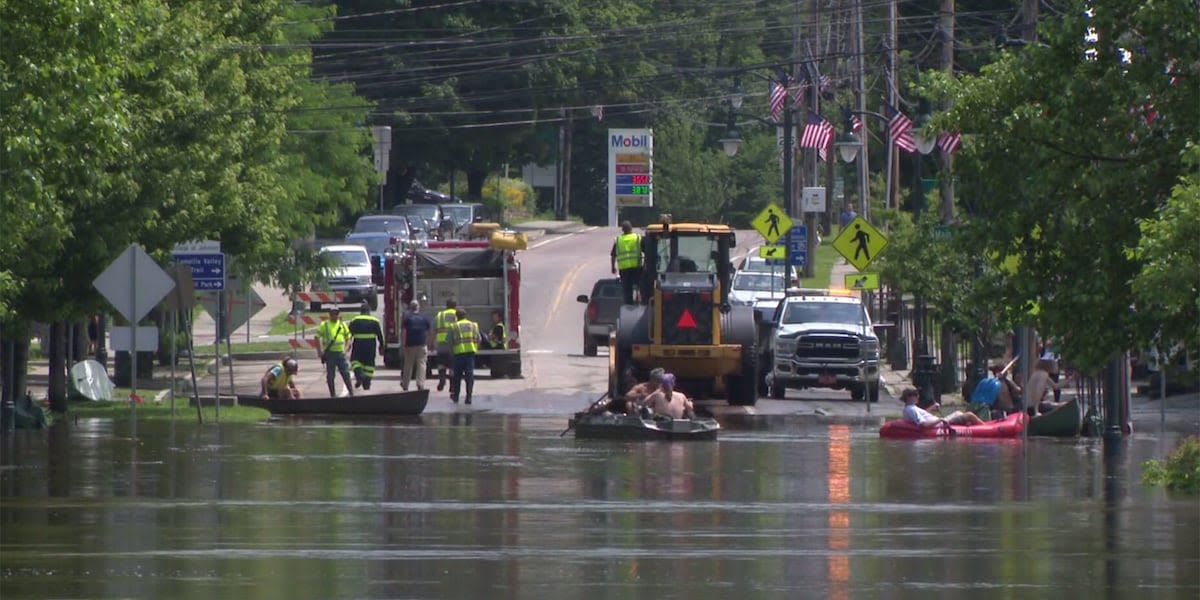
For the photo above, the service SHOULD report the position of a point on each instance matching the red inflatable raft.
(1010, 427)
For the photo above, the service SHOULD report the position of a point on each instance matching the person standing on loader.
(626, 258)
(442, 323)
(366, 330)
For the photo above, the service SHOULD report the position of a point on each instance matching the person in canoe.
(667, 401)
(923, 418)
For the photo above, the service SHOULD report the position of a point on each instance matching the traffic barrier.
(306, 319)
(323, 297)
(300, 344)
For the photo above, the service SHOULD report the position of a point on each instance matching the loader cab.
(687, 255)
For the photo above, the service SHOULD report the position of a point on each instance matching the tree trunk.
(57, 376)
(475, 178)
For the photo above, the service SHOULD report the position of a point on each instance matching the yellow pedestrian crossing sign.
(862, 281)
(772, 223)
(772, 252)
(860, 243)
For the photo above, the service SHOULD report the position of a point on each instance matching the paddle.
(589, 409)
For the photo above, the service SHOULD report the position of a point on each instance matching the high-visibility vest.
(333, 335)
(443, 322)
(281, 378)
(499, 340)
(629, 251)
(465, 337)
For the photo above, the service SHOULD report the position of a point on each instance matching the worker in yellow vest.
(627, 260)
(465, 339)
(332, 337)
(442, 322)
(277, 382)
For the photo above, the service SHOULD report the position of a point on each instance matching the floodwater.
(502, 506)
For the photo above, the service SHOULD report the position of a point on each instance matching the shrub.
(1181, 470)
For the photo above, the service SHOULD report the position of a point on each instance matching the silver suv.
(823, 339)
(600, 316)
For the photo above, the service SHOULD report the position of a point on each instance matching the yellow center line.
(562, 289)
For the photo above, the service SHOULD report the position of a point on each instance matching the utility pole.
(864, 185)
(814, 85)
(946, 29)
(1029, 17)
(893, 171)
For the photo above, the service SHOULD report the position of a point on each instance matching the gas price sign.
(631, 166)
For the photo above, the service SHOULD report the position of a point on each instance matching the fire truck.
(482, 276)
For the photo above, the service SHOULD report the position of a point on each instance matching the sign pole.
(174, 348)
(229, 344)
(133, 345)
(217, 351)
(187, 324)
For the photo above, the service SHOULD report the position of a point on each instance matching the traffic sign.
(772, 252)
(208, 270)
(860, 243)
(797, 242)
(241, 303)
(861, 281)
(133, 283)
(772, 223)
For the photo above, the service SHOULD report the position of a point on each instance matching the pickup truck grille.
(342, 281)
(827, 347)
(682, 310)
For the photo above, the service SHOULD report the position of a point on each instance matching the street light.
(732, 139)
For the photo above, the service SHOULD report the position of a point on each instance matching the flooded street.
(486, 505)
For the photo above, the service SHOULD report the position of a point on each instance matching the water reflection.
(488, 505)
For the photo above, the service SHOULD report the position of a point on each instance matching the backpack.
(986, 391)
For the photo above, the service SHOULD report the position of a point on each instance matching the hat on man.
(414, 306)
(668, 380)
(333, 310)
(365, 308)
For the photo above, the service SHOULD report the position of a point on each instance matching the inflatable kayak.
(1010, 427)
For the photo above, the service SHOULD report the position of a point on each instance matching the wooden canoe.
(396, 404)
(632, 427)
(1064, 421)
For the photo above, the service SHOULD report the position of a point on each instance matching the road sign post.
(133, 283)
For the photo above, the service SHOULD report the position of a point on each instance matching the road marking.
(540, 352)
(567, 282)
(550, 239)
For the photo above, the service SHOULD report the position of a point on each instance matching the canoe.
(1064, 421)
(633, 427)
(1009, 427)
(397, 404)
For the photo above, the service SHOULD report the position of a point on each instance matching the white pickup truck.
(823, 338)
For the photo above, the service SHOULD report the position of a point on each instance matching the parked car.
(379, 245)
(349, 274)
(600, 316)
(428, 217)
(394, 224)
(748, 287)
(420, 194)
(462, 214)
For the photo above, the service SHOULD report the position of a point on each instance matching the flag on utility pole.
(949, 142)
(777, 98)
(817, 134)
(899, 128)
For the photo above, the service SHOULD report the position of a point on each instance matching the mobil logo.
(618, 140)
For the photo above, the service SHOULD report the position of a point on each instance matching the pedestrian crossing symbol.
(860, 243)
(772, 223)
(861, 281)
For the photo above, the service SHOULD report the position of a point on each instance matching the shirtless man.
(666, 401)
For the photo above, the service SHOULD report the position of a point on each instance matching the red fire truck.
(482, 276)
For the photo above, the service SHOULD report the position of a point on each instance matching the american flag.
(899, 128)
(949, 142)
(598, 112)
(817, 134)
(855, 124)
(777, 99)
(798, 89)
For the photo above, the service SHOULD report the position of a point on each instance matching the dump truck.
(684, 321)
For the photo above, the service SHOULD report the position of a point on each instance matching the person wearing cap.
(277, 382)
(332, 339)
(635, 398)
(365, 330)
(667, 401)
(417, 344)
(626, 258)
(442, 323)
